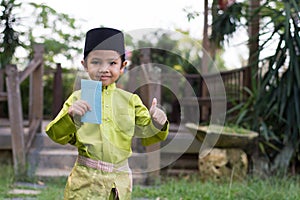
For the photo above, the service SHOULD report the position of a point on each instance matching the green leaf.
(297, 107)
(241, 116)
(262, 148)
(272, 146)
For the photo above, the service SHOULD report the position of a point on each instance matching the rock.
(221, 164)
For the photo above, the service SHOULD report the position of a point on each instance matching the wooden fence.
(22, 133)
(232, 82)
(3, 94)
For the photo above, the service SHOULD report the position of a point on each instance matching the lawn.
(171, 188)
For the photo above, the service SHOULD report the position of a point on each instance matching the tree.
(58, 32)
(10, 37)
(167, 51)
(273, 108)
(219, 27)
(278, 102)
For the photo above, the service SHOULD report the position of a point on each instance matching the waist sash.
(103, 166)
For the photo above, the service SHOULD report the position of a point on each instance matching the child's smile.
(104, 77)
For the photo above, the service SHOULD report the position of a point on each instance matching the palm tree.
(274, 110)
(278, 102)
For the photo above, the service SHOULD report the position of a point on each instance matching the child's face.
(104, 65)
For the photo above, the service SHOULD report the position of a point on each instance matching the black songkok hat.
(104, 39)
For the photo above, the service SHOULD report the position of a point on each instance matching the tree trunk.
(205, 59)
(253, 32)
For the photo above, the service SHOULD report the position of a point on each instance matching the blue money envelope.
(91, 92)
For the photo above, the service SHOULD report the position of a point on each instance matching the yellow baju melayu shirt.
(123, 116)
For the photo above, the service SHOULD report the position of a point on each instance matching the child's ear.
(123, 67)
(84, 65)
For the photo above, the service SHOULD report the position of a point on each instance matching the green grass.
(231, 128)
(252, 188)
(174, 188)
(51, 189)
(235, 129)
(54, 189)
(6, 174)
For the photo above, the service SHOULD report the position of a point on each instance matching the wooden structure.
(233, 81)
(23, 133)
(150, 91)
(58, 91)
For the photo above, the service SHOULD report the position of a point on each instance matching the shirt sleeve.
(145, 129)
(62, 129)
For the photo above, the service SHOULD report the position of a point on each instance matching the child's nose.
(104, 69)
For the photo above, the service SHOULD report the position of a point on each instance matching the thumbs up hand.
(157, 114)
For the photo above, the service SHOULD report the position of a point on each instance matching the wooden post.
(16, 119)
(2, 97)
(153, 158)
(36, 88)
(1, 80)
(57, 91)
(204, 111)
(153, 90)
(145, 62)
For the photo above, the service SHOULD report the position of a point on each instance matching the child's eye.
(113, 63)
(95, 62)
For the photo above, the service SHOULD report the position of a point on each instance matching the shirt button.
(106, 92)
(106, 106)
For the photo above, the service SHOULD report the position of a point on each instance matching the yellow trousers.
(86, 183)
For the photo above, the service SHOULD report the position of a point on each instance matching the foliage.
(65, 32)
(273, 105)
(223, 23)
(10, 36)
(226, 22)
(279, 92)
(234, 129)
(171, 52)
(59, 32)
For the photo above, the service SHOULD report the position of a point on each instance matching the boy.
(101, 170)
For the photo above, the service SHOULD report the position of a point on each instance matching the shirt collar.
(109, 87)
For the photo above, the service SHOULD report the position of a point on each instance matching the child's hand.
(157, 114)
(79, 108)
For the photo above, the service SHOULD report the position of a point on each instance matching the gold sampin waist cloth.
(103, 166)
